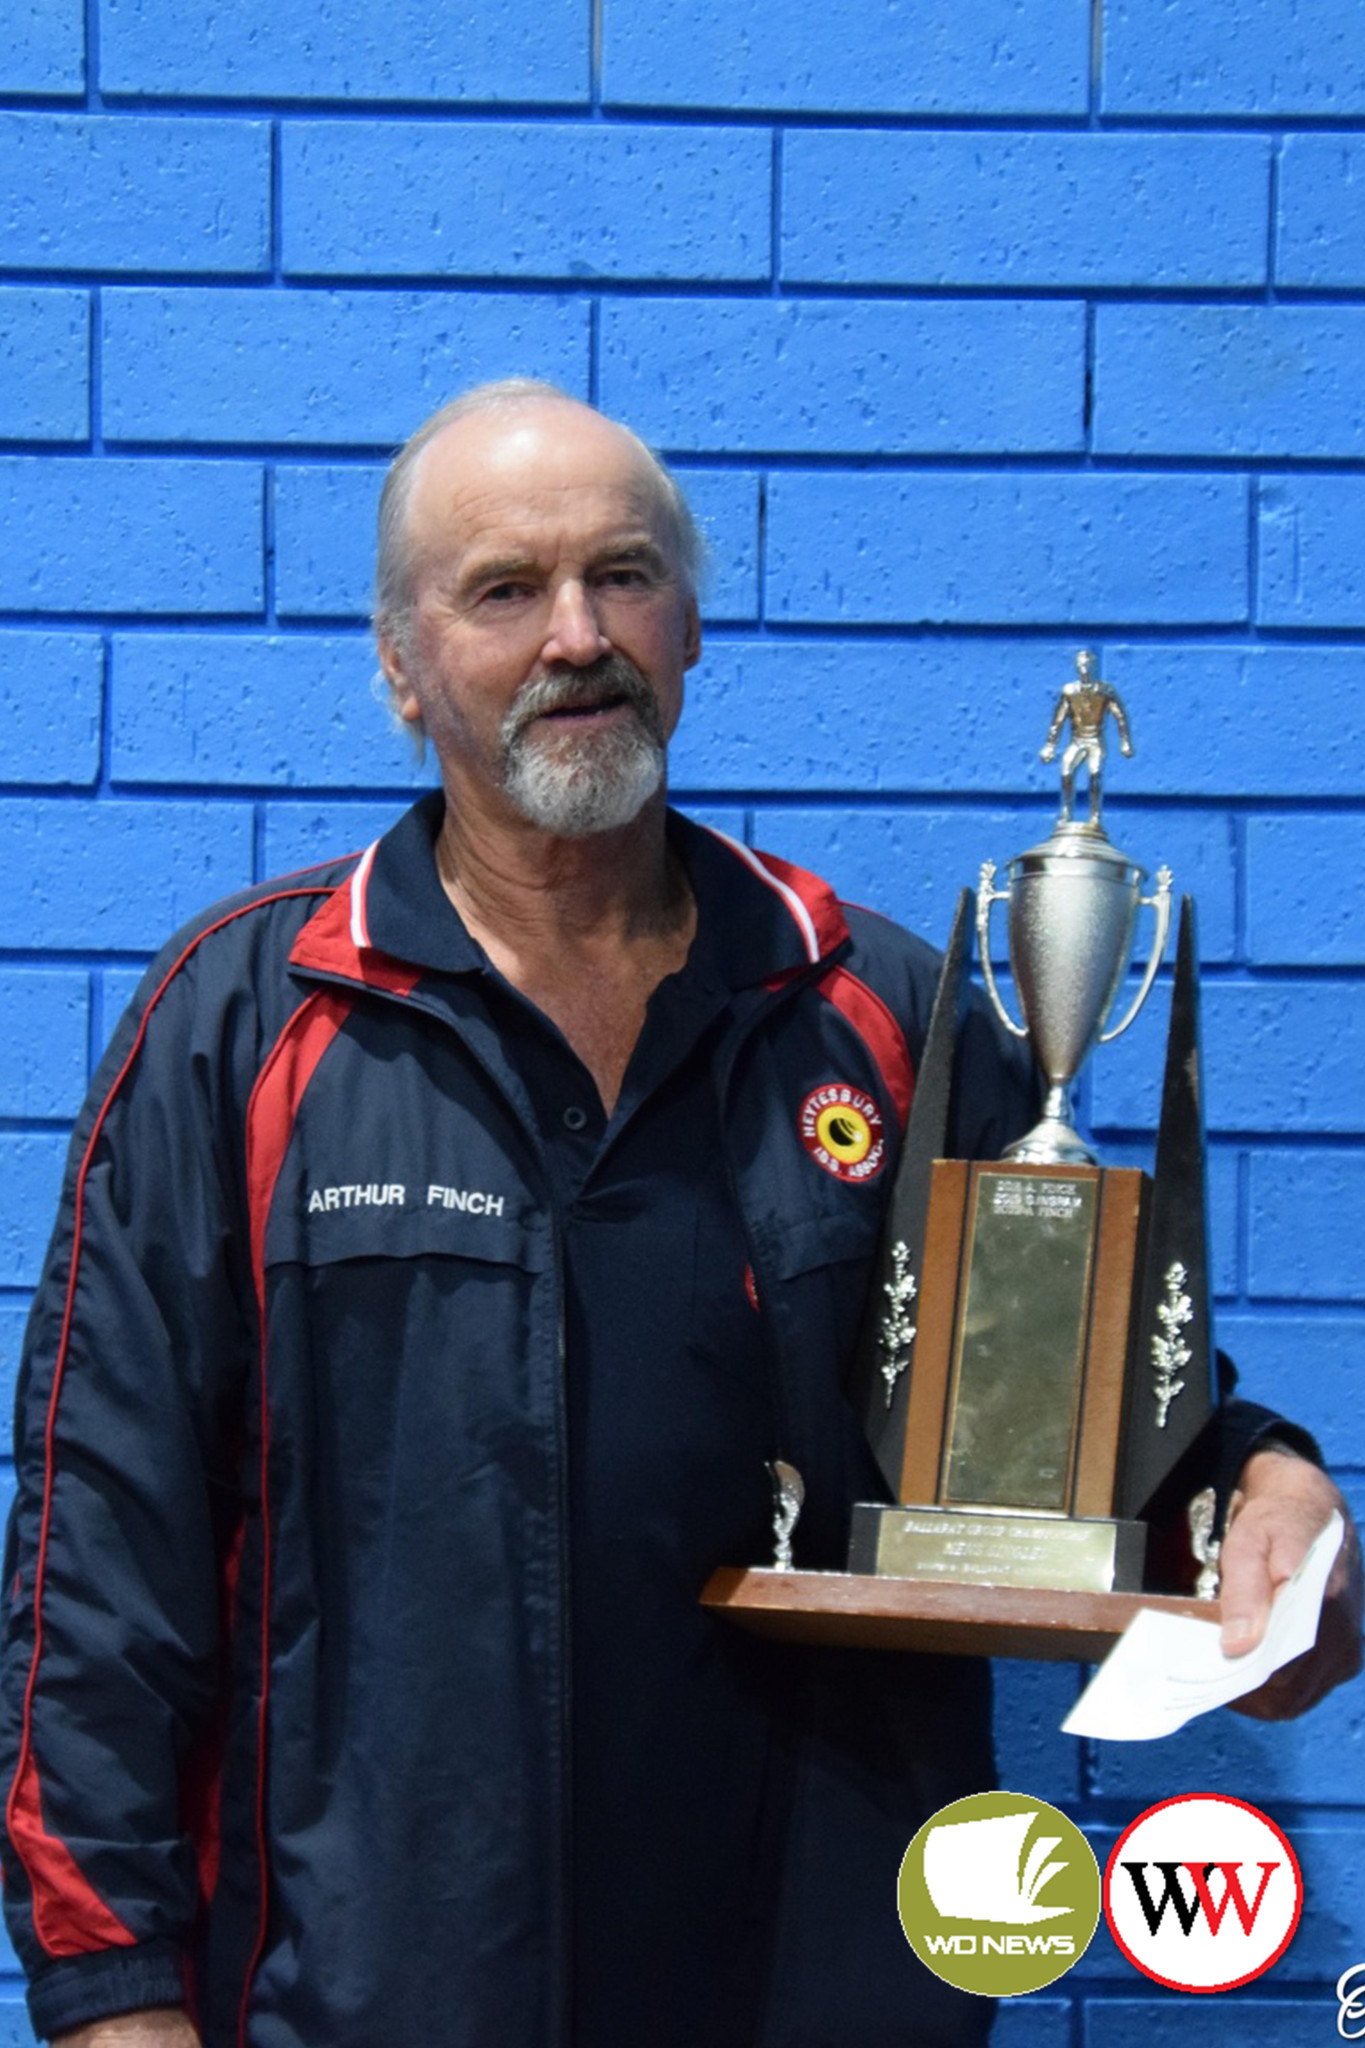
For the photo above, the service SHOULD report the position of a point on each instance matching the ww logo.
(1187, 1910)
(1203, 1892)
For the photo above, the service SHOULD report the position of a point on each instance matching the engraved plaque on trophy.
(1037, 1356)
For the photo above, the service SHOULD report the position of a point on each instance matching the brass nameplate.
(1052, 1553)
(1021, 1348)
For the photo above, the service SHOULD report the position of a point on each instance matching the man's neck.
(585, 928)
(533, 895)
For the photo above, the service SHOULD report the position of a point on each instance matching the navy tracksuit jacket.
(286, 1671)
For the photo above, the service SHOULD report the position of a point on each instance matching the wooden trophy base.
(851, 1610)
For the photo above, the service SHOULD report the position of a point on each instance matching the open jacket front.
(286, 1689)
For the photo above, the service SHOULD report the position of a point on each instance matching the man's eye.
(628, 576)
(504, 593)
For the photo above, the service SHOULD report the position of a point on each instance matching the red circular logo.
(1203, 1892)
(841, 1128)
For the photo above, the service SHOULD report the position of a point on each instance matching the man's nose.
(574, 634)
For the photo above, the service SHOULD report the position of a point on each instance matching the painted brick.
(525, 199)
(13, 1320)
(345, 49)
(1224, 1193)
(31, 1175)
(872, 715)
(117, 875)
(1229, 380)
(42, 47)
(44, 365)
(725, 505)
(849, 377)
(1225, 1214)
(300, 835)
(1284, 1056)
(1332, 1858)
(1305, 1225)
(325, 539)
(51, 687)
(1032, 1754)
(1244, 2020)
(1299, 912)
(998, 57)
(1032, 2023)
(1311, 540)
(1195, 57)
(911, 863)
(130, 193)
(1268, 719)
(15, 2031)
(1309, 1366)
(1011, 210)
(1320, 231)
(97, 535)
(44, 1032)
(335, 368)
(189, 708)
(1013, 549)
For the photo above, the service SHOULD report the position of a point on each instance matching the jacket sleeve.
(127, 1451)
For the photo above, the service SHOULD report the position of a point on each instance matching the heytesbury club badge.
(842, 1130)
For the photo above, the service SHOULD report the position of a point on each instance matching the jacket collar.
(391, 920)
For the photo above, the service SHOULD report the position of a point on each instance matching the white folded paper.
(1166, 1668)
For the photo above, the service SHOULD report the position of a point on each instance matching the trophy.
(1057, 1363)
(1035, 1359)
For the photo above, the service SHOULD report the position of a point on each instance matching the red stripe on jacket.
(69, 1916)
(879, 1031)
(271, 1115)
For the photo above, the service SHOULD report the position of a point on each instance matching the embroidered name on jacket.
(393, 1194)
(371, 1194)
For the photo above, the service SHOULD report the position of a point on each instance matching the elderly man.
(440, 1264)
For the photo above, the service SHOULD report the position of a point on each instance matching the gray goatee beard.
(573, 785)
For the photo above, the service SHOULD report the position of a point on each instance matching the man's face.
(549, 627)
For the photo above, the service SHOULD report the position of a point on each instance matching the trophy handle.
(1161, 904)
(987, 896)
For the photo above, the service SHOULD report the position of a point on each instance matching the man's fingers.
(1286, 1507)
(1248, 1580)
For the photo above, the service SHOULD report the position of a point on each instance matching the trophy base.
(843, 1610)
(966, 1547)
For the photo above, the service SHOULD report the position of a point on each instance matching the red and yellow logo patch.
(842, 1130)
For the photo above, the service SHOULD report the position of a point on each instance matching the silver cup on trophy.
(1073, 904)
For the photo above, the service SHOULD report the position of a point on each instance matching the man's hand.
(161, 2026)
(1284, 1502)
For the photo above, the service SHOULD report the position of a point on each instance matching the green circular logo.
(999, 1894)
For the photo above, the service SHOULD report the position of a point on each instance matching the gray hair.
(393, 561)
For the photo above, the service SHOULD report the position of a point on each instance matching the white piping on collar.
(360, 882)
(788, 894)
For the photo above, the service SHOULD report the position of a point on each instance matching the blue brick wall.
(975, 333)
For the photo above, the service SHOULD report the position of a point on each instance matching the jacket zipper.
(560, 2019)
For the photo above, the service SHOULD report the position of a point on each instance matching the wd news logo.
(1202, 1893)
(999, 1894)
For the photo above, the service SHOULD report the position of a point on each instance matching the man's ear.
(692, 634)
(396, 675)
